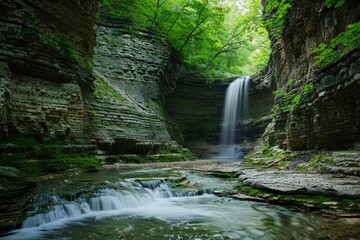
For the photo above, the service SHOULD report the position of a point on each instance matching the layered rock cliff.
(328, 117)
(133, 69)
(45, 75)
(45, 59)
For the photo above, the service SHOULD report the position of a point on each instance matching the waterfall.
(235, 108)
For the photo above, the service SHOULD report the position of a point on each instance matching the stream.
(163, 203)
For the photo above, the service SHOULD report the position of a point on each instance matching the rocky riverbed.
(330, 192)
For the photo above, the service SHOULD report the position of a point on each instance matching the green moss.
(250, 191)
(302, 168)
(181, 186)
(168, 157)
(323, 157)
(103, 89)
(350, 203)
(269, 157)
(132, 158)
(319, 161)
(318, 200)
(283, 164)
(63, 165)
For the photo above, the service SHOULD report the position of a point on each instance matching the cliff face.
(45, 52)
(135, 65)
(329, 116)
(197, 107)
(261, 100)
(45, 75)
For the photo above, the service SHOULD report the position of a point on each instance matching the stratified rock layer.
(45, 50)
(197, 107)
(135, 66)
(329, 116)
(291, 182)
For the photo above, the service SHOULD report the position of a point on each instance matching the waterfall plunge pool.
(143, 204)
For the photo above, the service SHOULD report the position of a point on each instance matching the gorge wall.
(328, 117)
(56, 85)
(46, 49)
(133, 69)
(45, 52)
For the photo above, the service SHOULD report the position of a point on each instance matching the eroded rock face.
(45, 50)
(197, 107)
(329, 116)
(136, 66)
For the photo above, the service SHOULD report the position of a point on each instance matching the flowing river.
(163, 203)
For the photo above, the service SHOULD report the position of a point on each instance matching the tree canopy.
(221, 38)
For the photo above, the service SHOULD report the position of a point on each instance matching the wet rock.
(301, 183)
(15, 190)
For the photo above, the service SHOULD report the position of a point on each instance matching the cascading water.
(235, 108)
(150, 204)
(51, 208)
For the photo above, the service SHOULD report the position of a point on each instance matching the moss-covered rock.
(60, 165)
(269, 157)
(326, 204)
(15, 189)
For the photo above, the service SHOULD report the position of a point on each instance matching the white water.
(235, 108)
(132, 195)
(138, 209)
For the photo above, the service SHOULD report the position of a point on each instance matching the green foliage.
(214, 37)
(277, 11)
(137, 12)
(338, 46)
(334, 3)
(288, 101)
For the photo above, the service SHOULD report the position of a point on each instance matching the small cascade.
(235, 109)
(162, 190)
(55, 213)
(134, 194)
(153, 184)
